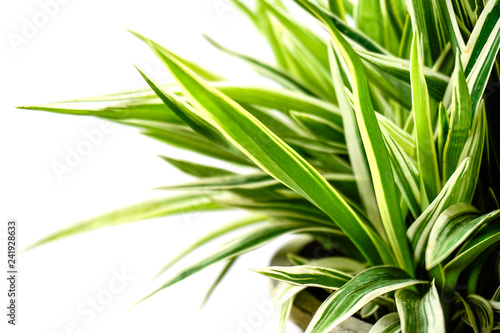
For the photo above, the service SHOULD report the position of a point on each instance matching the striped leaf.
(420, 229)
(354, 144)
(478, 313)
(460, 122)
(426, 152)
(243, 243)
(378, 158)
(480, 53)
(420, 313)
(145, 210)
(309, 276)
(360, 290)
(485, 238)
(389, 323)
(400, 69)
(272, 155)
(452, 228)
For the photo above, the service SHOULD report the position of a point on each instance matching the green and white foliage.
(379, 138)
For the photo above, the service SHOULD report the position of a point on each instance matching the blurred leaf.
(218, 280)
(389, 323)
(242, 244)
(478, 313)
(214, 234)
(145, 210)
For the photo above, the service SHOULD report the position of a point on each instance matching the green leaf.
(480, 38)
(195, 169)
(309, 276)
(242, 244)
(343, 264)
(337, 7)
(354, 143)
(446, 14)
(392, 26)
(191, 118)
(422, 13)
(406, 176)
(460, 122)
(443, 128)
(283, 100)
(284, 312)
(283, 292)
(145, 109)
(378, 158)
(400, 69)
(315, 145)
(272, 155)
(258, 180)
(202, 72)
(405, 141)
(420, 313)
(276, 74)
(145, 210)
(420, 229)
(480, 53)
(309, 40)
(219, 232)
(329, 19)
(184, 137)
(283, 207)
(478, 313)
(320, 127)
(473, 150)
(389, 323)
(426, 151)
(218, 280)
(363, 288)
(485, 238)
(367, 19)
(495, 306)
(452, 228)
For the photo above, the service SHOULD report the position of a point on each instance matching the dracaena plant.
(379, 140)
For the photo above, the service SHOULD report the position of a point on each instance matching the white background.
(82, 50)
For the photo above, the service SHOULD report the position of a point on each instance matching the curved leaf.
(363, 288)
(421, 314)
(274, 156)
(389, 323)
(478, 313)
(452, 228)
(378, 158)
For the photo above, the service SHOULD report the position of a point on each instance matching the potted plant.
(378, 141)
